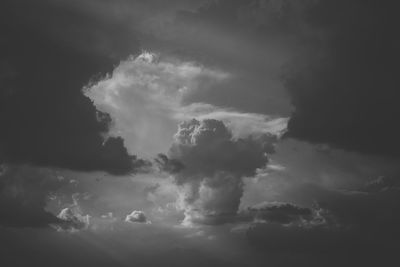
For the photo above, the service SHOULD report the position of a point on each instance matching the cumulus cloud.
(72, 220)
(207, 147)
(215, 164)
(145, 97)
(137, 216)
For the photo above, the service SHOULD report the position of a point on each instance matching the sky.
(199, 133)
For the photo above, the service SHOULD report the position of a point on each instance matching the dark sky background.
(199, 133)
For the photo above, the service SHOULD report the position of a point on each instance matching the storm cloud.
(214, 165)
(267, 130)
(146, 94)
(345, 94)
(45, 118)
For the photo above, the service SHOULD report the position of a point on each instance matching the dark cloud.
(279, 212)
(24, 192)
(345, 93)
(168, 165)
(367, 209)
(359, 226)
(380, 183)
(49, 51)
(214, 165)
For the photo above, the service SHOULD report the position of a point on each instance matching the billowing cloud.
(72, 220)
(143, 96)
(207, 147)
(137, 216)
(214, 165)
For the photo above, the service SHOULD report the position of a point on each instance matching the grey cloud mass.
(282, 213)
(354, 227)
(345, 94)
(48, 53)
(214, 165)
(268, 131)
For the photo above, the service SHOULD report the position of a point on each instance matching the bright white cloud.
(144, 96)
(215, 164)
(137, 216)
(240, 123)
(72, 220)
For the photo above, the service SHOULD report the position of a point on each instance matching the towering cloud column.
(214, 165)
